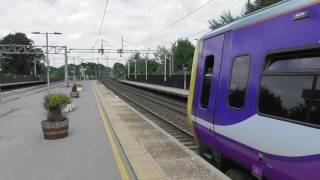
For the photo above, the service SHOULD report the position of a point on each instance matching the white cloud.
(79, 20)
(74, 36)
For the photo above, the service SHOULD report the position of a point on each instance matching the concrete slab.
(151, 151)
(84, 154)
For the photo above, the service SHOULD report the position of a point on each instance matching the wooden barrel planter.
(55, 130)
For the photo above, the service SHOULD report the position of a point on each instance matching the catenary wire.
(175, 22)
(102, 21)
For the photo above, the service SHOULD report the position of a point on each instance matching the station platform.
(85, 154)
(169, 90)
(15, 94)
(28, 83)
(108, 139)
(151, 151)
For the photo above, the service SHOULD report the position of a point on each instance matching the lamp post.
(135, 69)
(47, 52)
(74, 69)
(128, 69)
(81, 70)
(99, 72)
(147, 68)
(165, 67)
(184, 77)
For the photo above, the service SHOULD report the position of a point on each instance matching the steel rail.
(184, 131)
(156, 96)
(179, 109)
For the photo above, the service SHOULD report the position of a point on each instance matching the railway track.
(174, 103)
(167, 114)
(165, 107)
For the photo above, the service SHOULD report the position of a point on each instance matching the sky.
(134, 20)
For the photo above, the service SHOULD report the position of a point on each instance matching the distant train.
(254, 97)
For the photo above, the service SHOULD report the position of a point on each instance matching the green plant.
(74, 88)
(77, 84)
(55, 105)
(46, 101)
(65, 100)
(53, 100)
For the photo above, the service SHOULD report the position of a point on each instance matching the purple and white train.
(255, 92)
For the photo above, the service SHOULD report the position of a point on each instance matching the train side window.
(290, 87)
(238, 83)
(206, 81)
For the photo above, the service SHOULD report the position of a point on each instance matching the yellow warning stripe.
(114, 148)
(191, 89)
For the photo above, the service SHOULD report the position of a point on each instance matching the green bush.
(56, 100)
(65, 99)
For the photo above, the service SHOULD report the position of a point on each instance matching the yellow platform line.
(114, 148)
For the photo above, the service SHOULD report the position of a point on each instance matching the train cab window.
(290, 87)
(206, 81)
(238, 83)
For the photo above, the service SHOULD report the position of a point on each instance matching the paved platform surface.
(152, 153)
(19, 83)
(15, 94)
(169, 90)
(86, 154)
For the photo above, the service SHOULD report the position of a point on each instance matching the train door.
(206, 89)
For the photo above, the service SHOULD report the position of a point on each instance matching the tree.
(161, 53)
(57, 73)
(249, 7)
(21, 63)
(134, 59)
(182, 52)
(140, 62)
(4, 66)
(153, 66)
(257, 5)
(225, 18)
(119, 70)
(92, 69)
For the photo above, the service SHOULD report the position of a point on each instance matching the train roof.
(275, 10)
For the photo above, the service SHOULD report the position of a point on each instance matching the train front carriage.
(255, 92)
